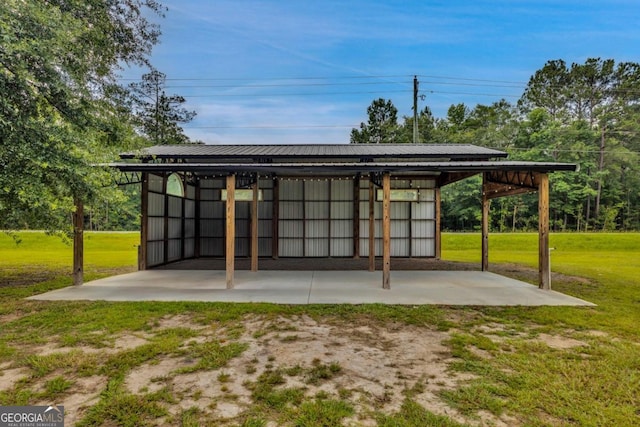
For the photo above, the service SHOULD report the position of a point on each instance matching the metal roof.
(315, 151)
(346, 167)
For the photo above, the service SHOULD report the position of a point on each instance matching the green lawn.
(532, 366)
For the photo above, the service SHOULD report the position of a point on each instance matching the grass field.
(260, 364)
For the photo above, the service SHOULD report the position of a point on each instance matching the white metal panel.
(316, 190)
(289, 228)
(265, 228)
(342, 210)
(189, 248)
(364, 228)
(175, 250)
(317, 228)
(242, 247)
(290, 247)
(316, 210)
(265, 210)
(400, 210)
(423, 228)
(264, 247)
(212, 183)
(427, 195)
(290, 189)
(341, 247)
(212, 228)
(341, 228)
(211, 247)
(155, 183)
(155, 253)
(424, 210)
(424, 183)
(175, 206)
(189, 228)
(209, 194)
(189, 209)
(156, 204)
(156, 229)
(316, 247)
(175, 228)
(190, 191)
(423, 247)
(400, 229)
(342, 190)
(364, 247)
(291, 210)
(400, 247)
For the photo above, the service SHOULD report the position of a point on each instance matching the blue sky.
(294, 71)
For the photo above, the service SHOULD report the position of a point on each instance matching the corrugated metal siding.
(155, 183)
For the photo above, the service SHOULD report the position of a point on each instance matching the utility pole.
(415, 110)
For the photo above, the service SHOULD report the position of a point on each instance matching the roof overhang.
(344, 167)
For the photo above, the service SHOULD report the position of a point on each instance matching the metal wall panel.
(427, 195)
(190, 191)
(189, 228)
(175, 250)
(264, 246)
(342, 210)
(290, 229)
(291, 210)
(175, 206)
(175, 228)
(317, 228)
(400, 229)
(342, 190)
(156, 204)
(316, 247)
(341, 247)
(291, 248)
(209, 194)
(156, 229)
(423, 247)
(189, 209)
(211, 247)
(155, 183)
(341, 228)
(265, 227)
(424, 210)
(212, 228)
(316, 210)
(189, 248)
(155, 253)
(291, 189)
(423, 229)
(316, 190)
(400, 247)
(212, 183)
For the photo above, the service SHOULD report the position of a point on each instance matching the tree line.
(587, 114)
(63, 110)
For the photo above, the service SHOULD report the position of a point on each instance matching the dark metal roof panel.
(197, 151)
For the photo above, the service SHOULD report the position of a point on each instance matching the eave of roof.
(345, 167)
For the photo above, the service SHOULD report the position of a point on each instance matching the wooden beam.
(450, 177)
(544, 266)
(438, 225)
(356, 217)
(144, 223)
(78, 243)
(254, 227)
(275, 204)
(372, 228)
(386, 231)
(231, 229)
(486, 204)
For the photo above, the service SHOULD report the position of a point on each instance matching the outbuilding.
(349, 200)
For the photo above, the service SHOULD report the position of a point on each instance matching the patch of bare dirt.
(10, 376)
(559, 342)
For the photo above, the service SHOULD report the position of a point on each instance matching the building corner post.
(544, 265)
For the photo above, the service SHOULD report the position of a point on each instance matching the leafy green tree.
(382, 126)
(158, 115)
(61, 109)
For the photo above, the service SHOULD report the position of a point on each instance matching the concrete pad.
(316, 287)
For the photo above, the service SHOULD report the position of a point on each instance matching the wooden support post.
(386, 231)
(372, 228)
(78, 243)
(275, 235)
(356, 217)
(144, 223)
(486, 203)
(544, 265)
(438, 225)
(254, 227)
(231, 229)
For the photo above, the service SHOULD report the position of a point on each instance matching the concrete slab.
(316, 287)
